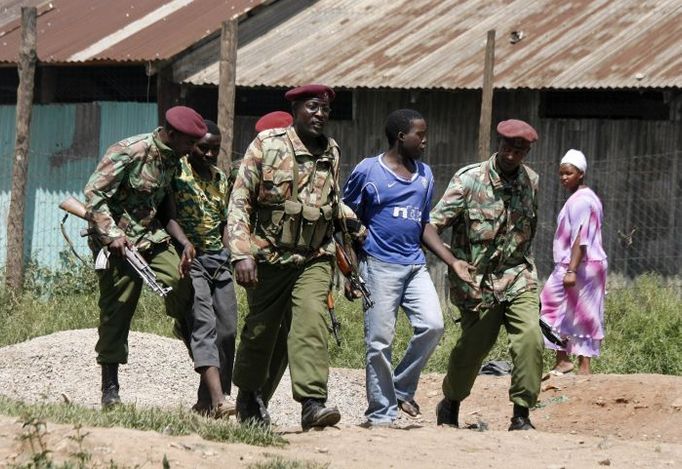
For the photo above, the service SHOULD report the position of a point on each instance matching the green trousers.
(119, 292)
(479, 333)
(294, 298)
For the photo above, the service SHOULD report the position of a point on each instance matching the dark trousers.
(210, 329)
(293, 298)
(120, 289)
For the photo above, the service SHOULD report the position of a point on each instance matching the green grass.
(274, 461)
(172, 422)
(643, 322)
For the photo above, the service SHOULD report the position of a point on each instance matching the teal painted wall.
(67, 141)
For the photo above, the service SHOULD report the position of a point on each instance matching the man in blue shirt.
(391, 194)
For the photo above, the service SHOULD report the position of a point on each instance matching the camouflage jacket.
(201, 206)
(265, 178)
(493, 224)
(124, 192)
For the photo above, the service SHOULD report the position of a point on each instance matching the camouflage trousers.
(119, 292)
(287, 299)
(479, 333)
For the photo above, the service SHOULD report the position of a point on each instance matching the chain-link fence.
(642, 200)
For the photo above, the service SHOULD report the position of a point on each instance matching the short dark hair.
(212, 127)
(400, 121)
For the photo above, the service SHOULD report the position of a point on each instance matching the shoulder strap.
(294, 167)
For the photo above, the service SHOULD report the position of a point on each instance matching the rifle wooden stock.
(74, 207)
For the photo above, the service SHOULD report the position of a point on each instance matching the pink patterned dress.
(577, 313)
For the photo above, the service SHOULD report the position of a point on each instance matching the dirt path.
(617, 421)
(601, 420)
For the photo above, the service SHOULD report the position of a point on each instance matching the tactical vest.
(295, 225)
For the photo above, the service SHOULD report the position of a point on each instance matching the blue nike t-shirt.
(393, 209)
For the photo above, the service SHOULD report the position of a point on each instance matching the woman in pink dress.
(573, 297)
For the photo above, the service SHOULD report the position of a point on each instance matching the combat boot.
(520, 420)
(447, 413)
(315, 414)
(110, 386)
(251, 408)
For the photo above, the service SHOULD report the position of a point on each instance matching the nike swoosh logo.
(392, 184)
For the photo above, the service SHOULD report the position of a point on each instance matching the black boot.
(110, 386)
(315, 414)
(447, 413)
(250, 407)
(520, 420)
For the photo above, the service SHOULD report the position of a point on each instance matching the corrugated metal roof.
(120, 30)
(441, 44)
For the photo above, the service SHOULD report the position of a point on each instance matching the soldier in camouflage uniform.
(281, 217)
(200, 190)
(492, 207)
(122, 198)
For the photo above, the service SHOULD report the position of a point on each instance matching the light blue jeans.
(391, 286)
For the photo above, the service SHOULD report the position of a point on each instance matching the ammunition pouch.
(294, 226)
(324, 227)
(291, 224)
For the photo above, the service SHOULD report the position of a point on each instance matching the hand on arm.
(432, 241)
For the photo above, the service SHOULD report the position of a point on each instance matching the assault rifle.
(136, 261)
(357, 283)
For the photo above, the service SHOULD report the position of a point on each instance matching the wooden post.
(15, 220)
(227, 91)
(487, 99)
(167, 92)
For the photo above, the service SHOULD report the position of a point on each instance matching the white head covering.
(576, 158)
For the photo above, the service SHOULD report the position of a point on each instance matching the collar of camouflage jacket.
(301, 149)
(491, 174)
(165, 152)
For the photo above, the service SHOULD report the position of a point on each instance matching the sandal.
(555, 372)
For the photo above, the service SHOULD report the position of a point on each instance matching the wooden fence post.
(227, 91)
(15, 220)
(487, 98)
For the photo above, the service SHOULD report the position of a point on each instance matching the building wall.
(67, 141)
(634, 165)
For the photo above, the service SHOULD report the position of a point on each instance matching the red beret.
(187, 121)
(514, 129)
(310, 91)
(274, 120)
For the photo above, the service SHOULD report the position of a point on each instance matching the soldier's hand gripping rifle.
(357, 283)
(132, 256)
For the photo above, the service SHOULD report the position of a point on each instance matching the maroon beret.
(514, 129)
(187, 121)
(274, 120)
(309, 92)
